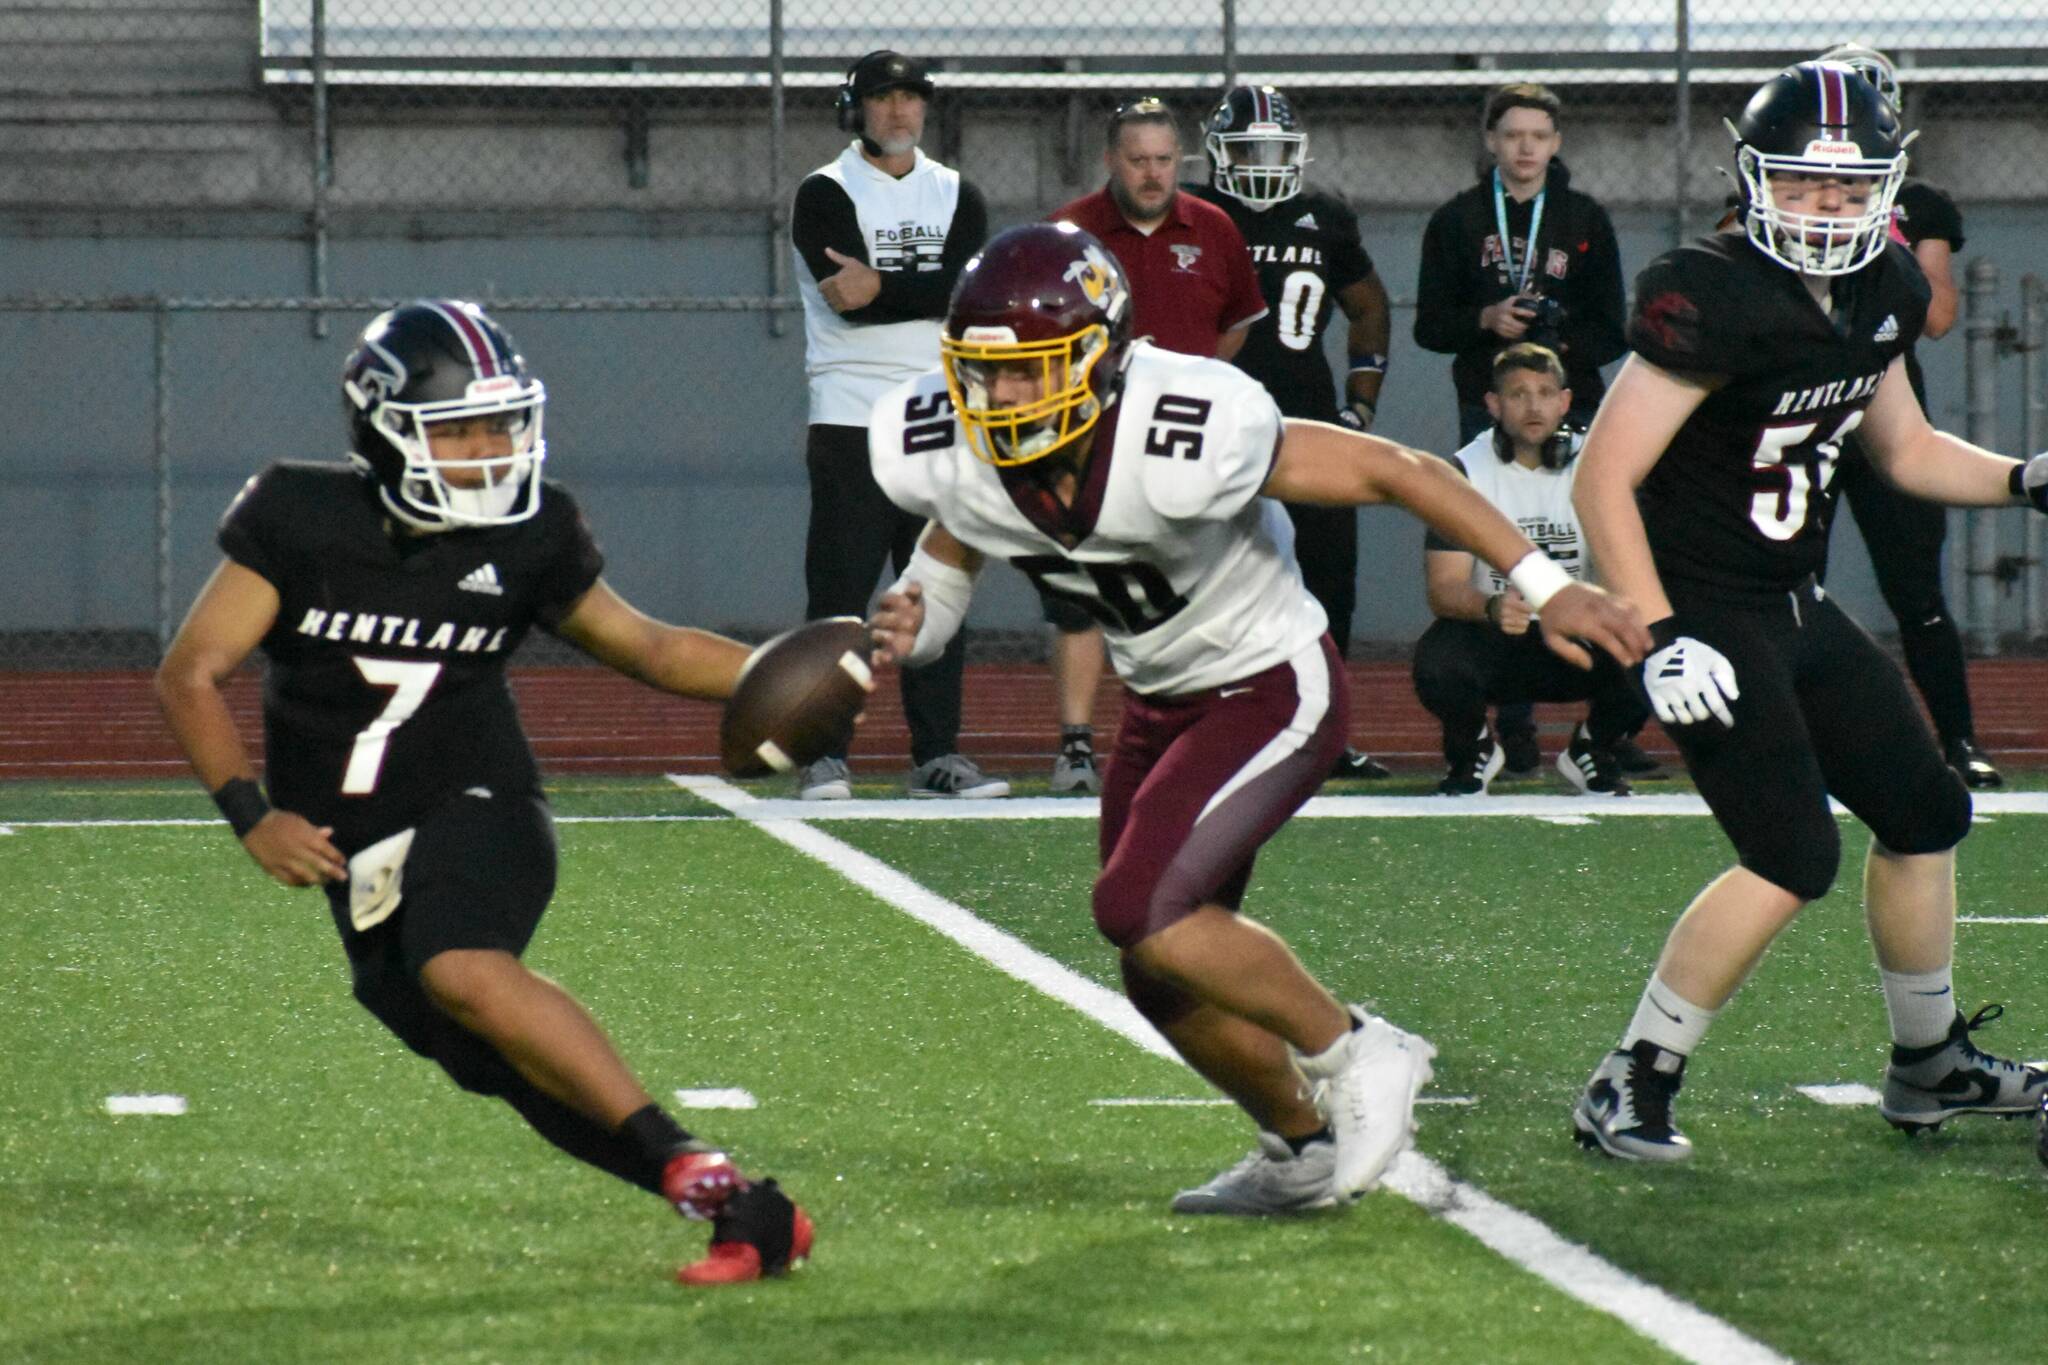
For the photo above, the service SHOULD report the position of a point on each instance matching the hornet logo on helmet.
(382, 377)
(1097, 278)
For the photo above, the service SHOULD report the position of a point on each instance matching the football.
(797, 697)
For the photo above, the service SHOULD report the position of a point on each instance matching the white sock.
(1668, 1019)
(1922, 1004)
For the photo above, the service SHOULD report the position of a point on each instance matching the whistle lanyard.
(1507, 246)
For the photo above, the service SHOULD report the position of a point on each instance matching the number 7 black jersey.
(386, 690)
(1741, 501)
(1305, 249)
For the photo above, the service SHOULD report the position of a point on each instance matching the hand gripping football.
(796, 698)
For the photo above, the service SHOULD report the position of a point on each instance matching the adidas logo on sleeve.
(484, 578)
(1888, 330)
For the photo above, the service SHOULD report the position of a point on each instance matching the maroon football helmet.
(1035, 341)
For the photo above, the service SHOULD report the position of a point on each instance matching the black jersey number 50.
(927, 423)
(1132, 596)
(1176, 428)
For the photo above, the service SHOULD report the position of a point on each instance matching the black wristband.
(1663, 632)
(2016, 482)
(242, 804)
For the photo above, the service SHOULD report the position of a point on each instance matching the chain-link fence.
(325, 130)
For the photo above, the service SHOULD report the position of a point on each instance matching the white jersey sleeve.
(1212, 433)
(911, 443)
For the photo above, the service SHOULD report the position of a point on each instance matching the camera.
(1562, 446)
(1546, 328)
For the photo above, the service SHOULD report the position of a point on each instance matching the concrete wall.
(682, 433)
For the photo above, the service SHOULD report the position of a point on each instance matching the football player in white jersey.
(1146, 486)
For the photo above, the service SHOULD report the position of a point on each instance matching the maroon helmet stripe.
(1834, 98)
(481, 353)
(1262, 108)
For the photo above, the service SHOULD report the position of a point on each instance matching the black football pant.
(1822, 712)
(1904, 536)
(1461, 666)
(854, 529)
(1326, 548)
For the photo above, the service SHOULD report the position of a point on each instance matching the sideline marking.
(1178, 1102)
(1847, 1096)
(171, 1105)
(2002, 919)
(1679, 1327)
(730, 1097)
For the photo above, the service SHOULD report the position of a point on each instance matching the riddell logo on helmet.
(490, 388)
(1006, 336)
(1822, 149)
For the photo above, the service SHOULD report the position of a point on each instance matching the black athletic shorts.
(1823, 711)
(479, 875)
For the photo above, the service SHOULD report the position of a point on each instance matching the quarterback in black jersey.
(387, 599)
(1705, 489)
(1310, 260)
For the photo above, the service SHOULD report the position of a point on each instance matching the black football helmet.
(1046, 295)
(1257, 147)
(1819, 119)
(1872, 66)
(440, 360)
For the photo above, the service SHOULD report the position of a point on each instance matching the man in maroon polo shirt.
(1193, 289)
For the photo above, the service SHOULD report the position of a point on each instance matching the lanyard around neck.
(1507, 246)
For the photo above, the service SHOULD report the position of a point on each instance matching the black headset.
(846, 104)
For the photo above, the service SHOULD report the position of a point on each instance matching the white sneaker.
(1074, 770)
(954, 776)
(828, 779)
(1271, 1180)
(1366, 1083)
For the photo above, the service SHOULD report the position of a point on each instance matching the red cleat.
(758, 1233)
(699, 1183)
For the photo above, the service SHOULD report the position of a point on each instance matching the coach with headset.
(881, 233)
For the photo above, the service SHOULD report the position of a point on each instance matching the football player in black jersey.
(1306, 247)
(387, 598)
(1904, 535)
(1705, 489)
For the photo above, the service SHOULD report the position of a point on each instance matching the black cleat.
(1521, 754)
(1591, 771)
(1634, 762)
(1973, 763)
(1625, 1110)
(1352, 765)
(1472, 776)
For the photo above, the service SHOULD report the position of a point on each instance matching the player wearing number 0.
(387, 599)
(1311, 262)
(1144, 485)
(1704, 488)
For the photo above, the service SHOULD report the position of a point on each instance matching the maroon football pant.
(1197, 782)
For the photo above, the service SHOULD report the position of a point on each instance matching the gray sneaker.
(1366, 1083)
(1271, 1180)
(1074, 770)
(954, 776)
(1924, 1086)
(828, 779)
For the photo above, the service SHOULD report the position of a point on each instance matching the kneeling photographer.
(1521, 256)
(1482, 648)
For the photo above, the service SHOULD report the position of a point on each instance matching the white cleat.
(1272, 1180)
(1366, 1083)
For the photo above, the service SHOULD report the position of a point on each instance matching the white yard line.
(1677, 1326)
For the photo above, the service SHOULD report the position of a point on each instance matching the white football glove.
(1689, 680)
(2031, 482)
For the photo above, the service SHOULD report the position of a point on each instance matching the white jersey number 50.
(1809, 467)
(412, 683)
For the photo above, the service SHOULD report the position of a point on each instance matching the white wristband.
(947, 592)
(1538, 577)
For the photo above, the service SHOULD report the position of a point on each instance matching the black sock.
(1083, 735)
(1321, 1134)
(611, 1152)
(657, 1135)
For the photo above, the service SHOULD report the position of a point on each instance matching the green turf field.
(329, 1197)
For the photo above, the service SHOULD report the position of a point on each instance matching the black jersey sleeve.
(1926, 213)
(575, 563)
(1348, 260)
(1687, 315)
(252, 530)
